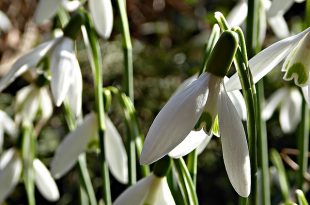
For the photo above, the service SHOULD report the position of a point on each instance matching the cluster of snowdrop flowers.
(180, 114)
(76, 143)
(101, 12)
(66, 78)
(294, 50)
(272, 12)
(11, 167)
(289, 100)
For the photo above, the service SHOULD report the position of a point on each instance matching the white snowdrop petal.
(279, 26)
(30, 107)
(44, 181)
(8, 125)
(5, 23)
(185, 83)
(102, 13)
(45, 103)
(25, 62)
(238, 14)
(45, 10)
(176, 119)
(204, 144)
(164, 195)
(71, 5)
(62, 66)
(6, 157)
(239, 103)
(267, 59)
(290, 112)
(74, 94)
(9, 176)
(234, 146)
(73, 145)
(306, 92)
(273, 102)
(136, 193)
(279, 7)
(115, 152)
(262, 24)
(191, 142)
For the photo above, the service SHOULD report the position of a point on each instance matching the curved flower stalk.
(66, 78)
(46, 9)
(76, 142)
(29, 101)
(7, 125)
(10, 172)
(180, 114)
(151, 190)
(272, 13)
(296, 65)
(289, 100)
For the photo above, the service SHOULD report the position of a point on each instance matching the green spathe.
(222, 54)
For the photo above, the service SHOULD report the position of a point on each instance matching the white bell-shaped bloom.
(31, 99)
(46, 9)
(7, 125)
(44, 181)
(292, 47)
(180, 114)
(102, 14)
(272, 12)
(151, 190)
(10, 171)
(5, 23)
(66, 78)
(289, 100)
(76, 142)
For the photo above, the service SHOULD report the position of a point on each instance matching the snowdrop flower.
(180, 114)
(5, 23)
(289, 100)
(66, 78)
(10, 172)
(296, 65)
(46, 9)
(150, 190)
(29, 101)
(272, 12)
(7, 125)
(76, 142)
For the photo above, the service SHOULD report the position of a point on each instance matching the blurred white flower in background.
(76, 143)
(289, 100)
(8, 126)
(11, 170)
(5, 23)
(151, 190)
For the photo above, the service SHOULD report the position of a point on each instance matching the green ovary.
(299, 72)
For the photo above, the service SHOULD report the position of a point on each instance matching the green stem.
(92, 44)
(264, 189)
(128, 85)
(192, 165)
(85, 181)
(307, 21)
(303, 145)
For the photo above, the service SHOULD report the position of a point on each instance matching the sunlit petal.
(239, 103)
(204, 144)
(273, 102)
(238, 14)
(45, 103)
(191, 142)
(73, 145)
(234, 145)
(279, 26)
(102, 13)
(115, 152)
(279, 7)
(9, 175)
(8, 125)
(176, 119)
(27, 61)
(71, 5)
(62, 66)
(45, 10)
(74, 94)
(267, 59)
(44, 181)
(290, 112)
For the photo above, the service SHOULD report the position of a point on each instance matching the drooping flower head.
(180, 114)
